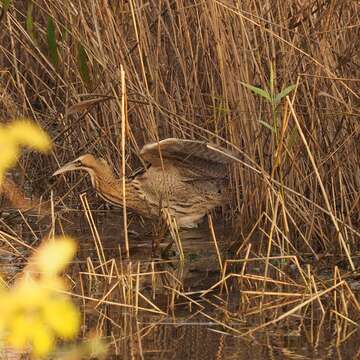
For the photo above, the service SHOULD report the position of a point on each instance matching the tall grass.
(185, 64)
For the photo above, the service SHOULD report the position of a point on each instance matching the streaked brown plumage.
(186, 177)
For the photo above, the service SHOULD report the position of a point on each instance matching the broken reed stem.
(270, 240)
(95, 233)
(114, 303)
(294, 309)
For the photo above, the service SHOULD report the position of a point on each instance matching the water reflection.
(154, 309)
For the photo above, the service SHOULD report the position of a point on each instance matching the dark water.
(187, 325)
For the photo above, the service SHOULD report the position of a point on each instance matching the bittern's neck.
(112, 190)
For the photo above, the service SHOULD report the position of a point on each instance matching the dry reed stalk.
(95, 234)
(7, 238)
(270, 245)
(213, 236)
(183, 67)
(203, 313)
(130, 297)
(248, 277)
(124, 281)
(113, 303)
(104, 53)
(333, 218)
(123, 161)
(174, 232)
(28, 226)
(294, 309)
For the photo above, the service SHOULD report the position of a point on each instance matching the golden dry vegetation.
(86, 70)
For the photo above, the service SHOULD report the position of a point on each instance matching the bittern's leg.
(158, 235)
(173, 237)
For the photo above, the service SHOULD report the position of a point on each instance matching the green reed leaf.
(284, 93)
(5, 5)
(82, 64)
(51, 42)
(258, 91)
(267, 125)
(30, 20)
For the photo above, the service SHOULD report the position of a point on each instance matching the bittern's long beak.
(73, 165)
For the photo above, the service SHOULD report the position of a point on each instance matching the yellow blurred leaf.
(18, 335)
(55, 255)
(9, 154)
(33, 291)
(33, 311)
(25, 132)
(62, 316)
(42, 339)
(21, 132)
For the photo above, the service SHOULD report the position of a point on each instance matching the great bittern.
(185, 177)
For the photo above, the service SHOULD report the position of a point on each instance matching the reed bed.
(108, 77)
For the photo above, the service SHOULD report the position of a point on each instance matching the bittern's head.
(85, 162)
(97, 168)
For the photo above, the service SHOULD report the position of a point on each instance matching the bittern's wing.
(196, 157)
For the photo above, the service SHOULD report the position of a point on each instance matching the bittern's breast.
(186, 198)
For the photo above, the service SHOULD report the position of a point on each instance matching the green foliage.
(5, 5)
(274, 99)
(258, 91)
(271, 98)
(284, 93)
(30, 20)
(193, 257)
(82, 64)
(267, 125)
(51, 42)
(279, 123)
